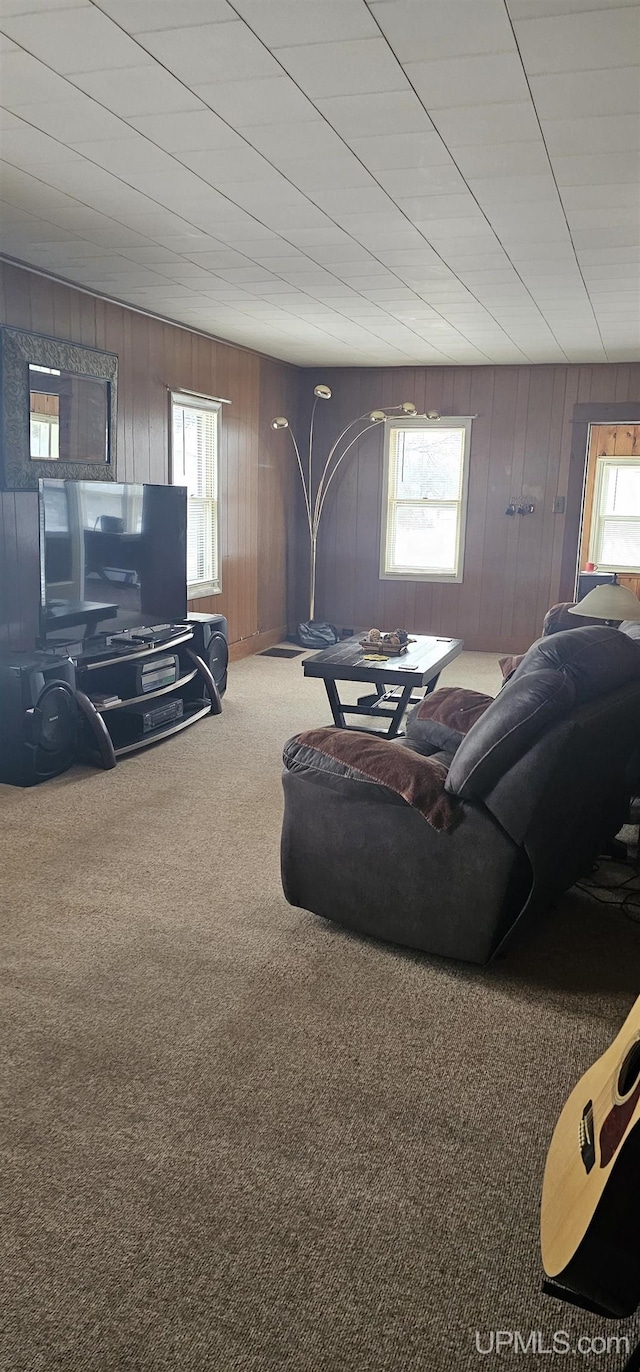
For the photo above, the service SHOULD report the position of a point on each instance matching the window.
(195, 441)
(615, 530)
(426, 473)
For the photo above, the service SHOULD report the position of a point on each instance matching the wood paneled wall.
(521, 445)
(256, 474)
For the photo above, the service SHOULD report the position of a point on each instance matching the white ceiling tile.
(393, 152)
(545, 221)
(74, 40)
(505, 123)
(312, 139)
(581, 197)
(591, 256)
(603, 217)
(434, 206)
(273, 100)
(227, 164)
(473, 226)
(381, 113)
(26, 81)
(597, 169)
(360, 201)
(24, 146)
(567, 95)
(127, 157)
(358, 66)
(409, 183)
(434, 181)
(8, 7)
(486, 80)
(535, 251)
(257, 196)
(140, 16)
(577, 42)
(137, 90)
(600, 134)
(335, 174)
(416, 32)
(503, 159)
(593, 238)
(290, 219)
(187, 131)
(74, 120)
(499, 191)
(211, 52)
(286, 22)
(610, 271)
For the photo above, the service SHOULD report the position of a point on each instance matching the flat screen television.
(113, 556)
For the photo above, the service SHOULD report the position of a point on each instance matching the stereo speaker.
(211, 643)
(38, 717)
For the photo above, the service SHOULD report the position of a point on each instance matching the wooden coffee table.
(395, 679)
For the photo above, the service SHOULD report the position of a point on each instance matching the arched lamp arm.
(302, 478)
(332, 450)
(313, 410)
(324, 487)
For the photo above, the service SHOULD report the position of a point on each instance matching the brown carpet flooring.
(237, 1138)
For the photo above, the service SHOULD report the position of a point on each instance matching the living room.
(238, 1135)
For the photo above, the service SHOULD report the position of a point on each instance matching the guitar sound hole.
(630, 1070)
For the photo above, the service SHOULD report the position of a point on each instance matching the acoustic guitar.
(590, 1220)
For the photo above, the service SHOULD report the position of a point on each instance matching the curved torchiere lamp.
(315, 494)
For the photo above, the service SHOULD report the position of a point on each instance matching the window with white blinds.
(425, 490)
(195, 443)
(615, 528)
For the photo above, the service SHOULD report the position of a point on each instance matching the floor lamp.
(314, 633)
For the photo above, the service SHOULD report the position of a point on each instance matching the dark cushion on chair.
(558, 620)
(442, 719)
(509, 664)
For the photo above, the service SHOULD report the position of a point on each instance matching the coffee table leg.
(334, 701)
(431, 685)
(399, 712)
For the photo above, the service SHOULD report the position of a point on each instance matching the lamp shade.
(608, 602)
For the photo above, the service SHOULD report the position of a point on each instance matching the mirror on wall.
(68, 416)
(58, 410)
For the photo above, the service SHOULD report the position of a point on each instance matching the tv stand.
(112, 708)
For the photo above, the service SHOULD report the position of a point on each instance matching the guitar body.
(590, 1219)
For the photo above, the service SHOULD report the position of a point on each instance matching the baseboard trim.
(246, 647)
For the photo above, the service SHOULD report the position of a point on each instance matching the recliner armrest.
(362, 757)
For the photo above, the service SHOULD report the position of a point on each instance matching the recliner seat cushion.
(440, 721)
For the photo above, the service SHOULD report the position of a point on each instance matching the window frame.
(196, 590)
(389, 501)
(598, 518)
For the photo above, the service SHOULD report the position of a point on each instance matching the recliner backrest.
(557, 673)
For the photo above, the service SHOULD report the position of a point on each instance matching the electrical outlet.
(559, 504)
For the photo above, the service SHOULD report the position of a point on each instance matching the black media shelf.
(148, 695)
(107, 734)
(165, 731)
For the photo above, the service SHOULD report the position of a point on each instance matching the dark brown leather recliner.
(539, 784)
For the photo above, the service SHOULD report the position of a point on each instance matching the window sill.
(198, 589)
(446, 578)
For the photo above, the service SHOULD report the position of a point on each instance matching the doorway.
(610, 533)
